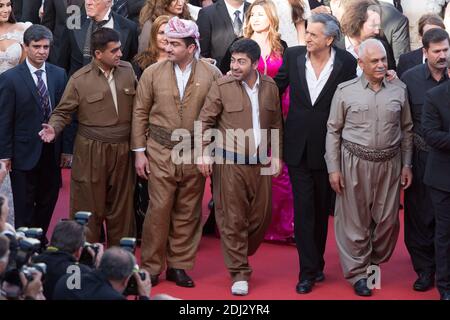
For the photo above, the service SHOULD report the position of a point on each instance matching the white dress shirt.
(182, 78)
(232, 10)
(253, 95)
(316, 85)
(351, 49)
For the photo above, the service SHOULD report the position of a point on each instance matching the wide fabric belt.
(163, 136)
(368, 154)
(113, 134)
(420, 143)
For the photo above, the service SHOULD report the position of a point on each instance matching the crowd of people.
(296, 110)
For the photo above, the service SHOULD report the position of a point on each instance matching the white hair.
(367, 44)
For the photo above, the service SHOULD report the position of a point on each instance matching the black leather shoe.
(320, 276)
(361, 288)
(154, 279)
(424, 283)
(445, 296)
(304, 286)
(180, 277)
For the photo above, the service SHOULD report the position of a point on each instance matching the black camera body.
(132, 287)
(86, 258)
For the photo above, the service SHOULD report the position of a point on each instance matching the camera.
(86, 258)
(30, 270)
(35, 233)
(19, 262)
(128, 244)
(82, 217)
(132, 287)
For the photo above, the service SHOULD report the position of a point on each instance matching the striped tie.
(43, 95)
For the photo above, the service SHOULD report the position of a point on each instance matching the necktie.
(43, 95)
(237, 24)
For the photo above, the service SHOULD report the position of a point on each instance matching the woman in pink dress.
(262, 27)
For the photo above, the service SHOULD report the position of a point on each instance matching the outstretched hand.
(47, 134)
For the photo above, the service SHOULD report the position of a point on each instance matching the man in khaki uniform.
(368, 155)
(102, 180)
(246, 101)
(169, 97)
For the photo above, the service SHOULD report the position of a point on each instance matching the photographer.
(108, 282)
(65, 249)
(31, 290)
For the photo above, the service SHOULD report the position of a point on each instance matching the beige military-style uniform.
(103, 176)
(369, 139)
(242, 195)
(172, 226)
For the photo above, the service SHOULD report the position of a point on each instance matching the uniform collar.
(365, 82)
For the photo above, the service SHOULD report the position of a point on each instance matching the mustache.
(442, 60)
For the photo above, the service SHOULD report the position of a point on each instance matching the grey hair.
(332, 26)
(117, 263)
(37, 32)
(367, 43)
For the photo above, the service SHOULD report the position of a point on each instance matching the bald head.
(373, 60)
(117, 263)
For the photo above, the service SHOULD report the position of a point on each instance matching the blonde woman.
(156, 48)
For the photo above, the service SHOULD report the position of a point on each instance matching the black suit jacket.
(55, 18)
(389, 53)
(94, 286)
(306, 124)
(436, 132)
(395, 28)
(21, 117)
(216, 30)
(71, 56)
(30, 11)
(409, 60)
(17, 9)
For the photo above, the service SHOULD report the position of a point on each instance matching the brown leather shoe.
(180, 277)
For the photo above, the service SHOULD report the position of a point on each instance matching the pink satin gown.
(282, 226)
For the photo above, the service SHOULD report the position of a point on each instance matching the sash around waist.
(370, 154)
(114, 134)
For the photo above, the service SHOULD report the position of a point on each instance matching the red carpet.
(275, 269)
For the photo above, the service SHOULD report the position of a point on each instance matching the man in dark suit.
(436, 132)
(304, 136)
(28, 94)
(75, 49)
(55, 17)
(219, 25)
(27, 10)
(108, 282)
(394, 24)
(416, 57)
(419, 211)
(129, 9)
